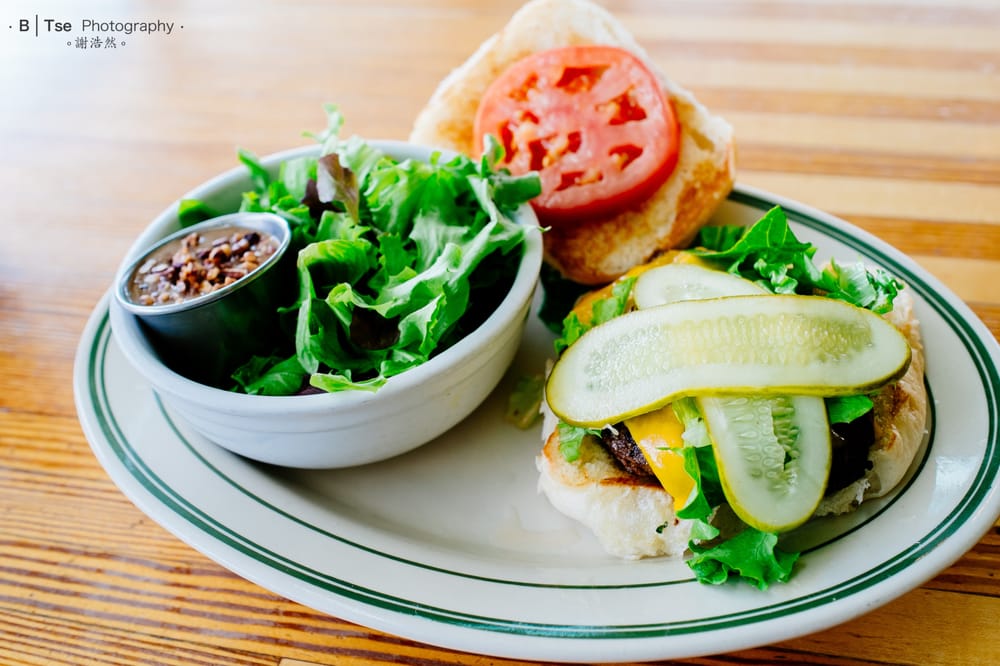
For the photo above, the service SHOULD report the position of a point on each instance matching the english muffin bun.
(598, 250)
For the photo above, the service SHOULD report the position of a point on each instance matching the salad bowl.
(343, 428)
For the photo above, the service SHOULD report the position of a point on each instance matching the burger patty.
(620, 443)
(849, 442)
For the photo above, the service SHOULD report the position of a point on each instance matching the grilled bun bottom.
(624, 511)
(594, 251)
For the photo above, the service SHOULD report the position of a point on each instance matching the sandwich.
(656, 469)
(649, 477)
(646, 180)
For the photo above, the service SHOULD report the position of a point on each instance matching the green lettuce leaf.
(259, 176)
(870, 288)
(570, 439)
(769, 254)
(602, 310)
(193, 211)
(699, 462)
(702, 530)
(263, 376)
(524, 402)
(751, 555)
(846, 408)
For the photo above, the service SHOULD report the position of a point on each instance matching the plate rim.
(948, 306)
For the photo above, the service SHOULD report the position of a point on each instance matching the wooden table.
(886, 113)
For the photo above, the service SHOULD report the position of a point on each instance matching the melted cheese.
(584, 306)
(656, 433)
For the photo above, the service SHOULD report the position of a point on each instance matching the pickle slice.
(686, 282)
(768, 344)
(773, 454)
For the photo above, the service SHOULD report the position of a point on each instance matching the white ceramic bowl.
(337, 429)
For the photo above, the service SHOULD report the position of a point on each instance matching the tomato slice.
(593, 121)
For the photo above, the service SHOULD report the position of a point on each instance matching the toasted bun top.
(598, 250)
(447, 120)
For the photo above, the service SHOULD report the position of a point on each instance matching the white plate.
(451, 544)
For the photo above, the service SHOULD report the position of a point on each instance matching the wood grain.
(884, 112)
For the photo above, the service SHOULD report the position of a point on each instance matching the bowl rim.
(141, 355)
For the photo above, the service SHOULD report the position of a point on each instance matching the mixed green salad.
(396, 259)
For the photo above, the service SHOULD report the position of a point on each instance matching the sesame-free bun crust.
(599, 250)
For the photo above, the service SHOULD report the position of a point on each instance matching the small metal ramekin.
(206, 337)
